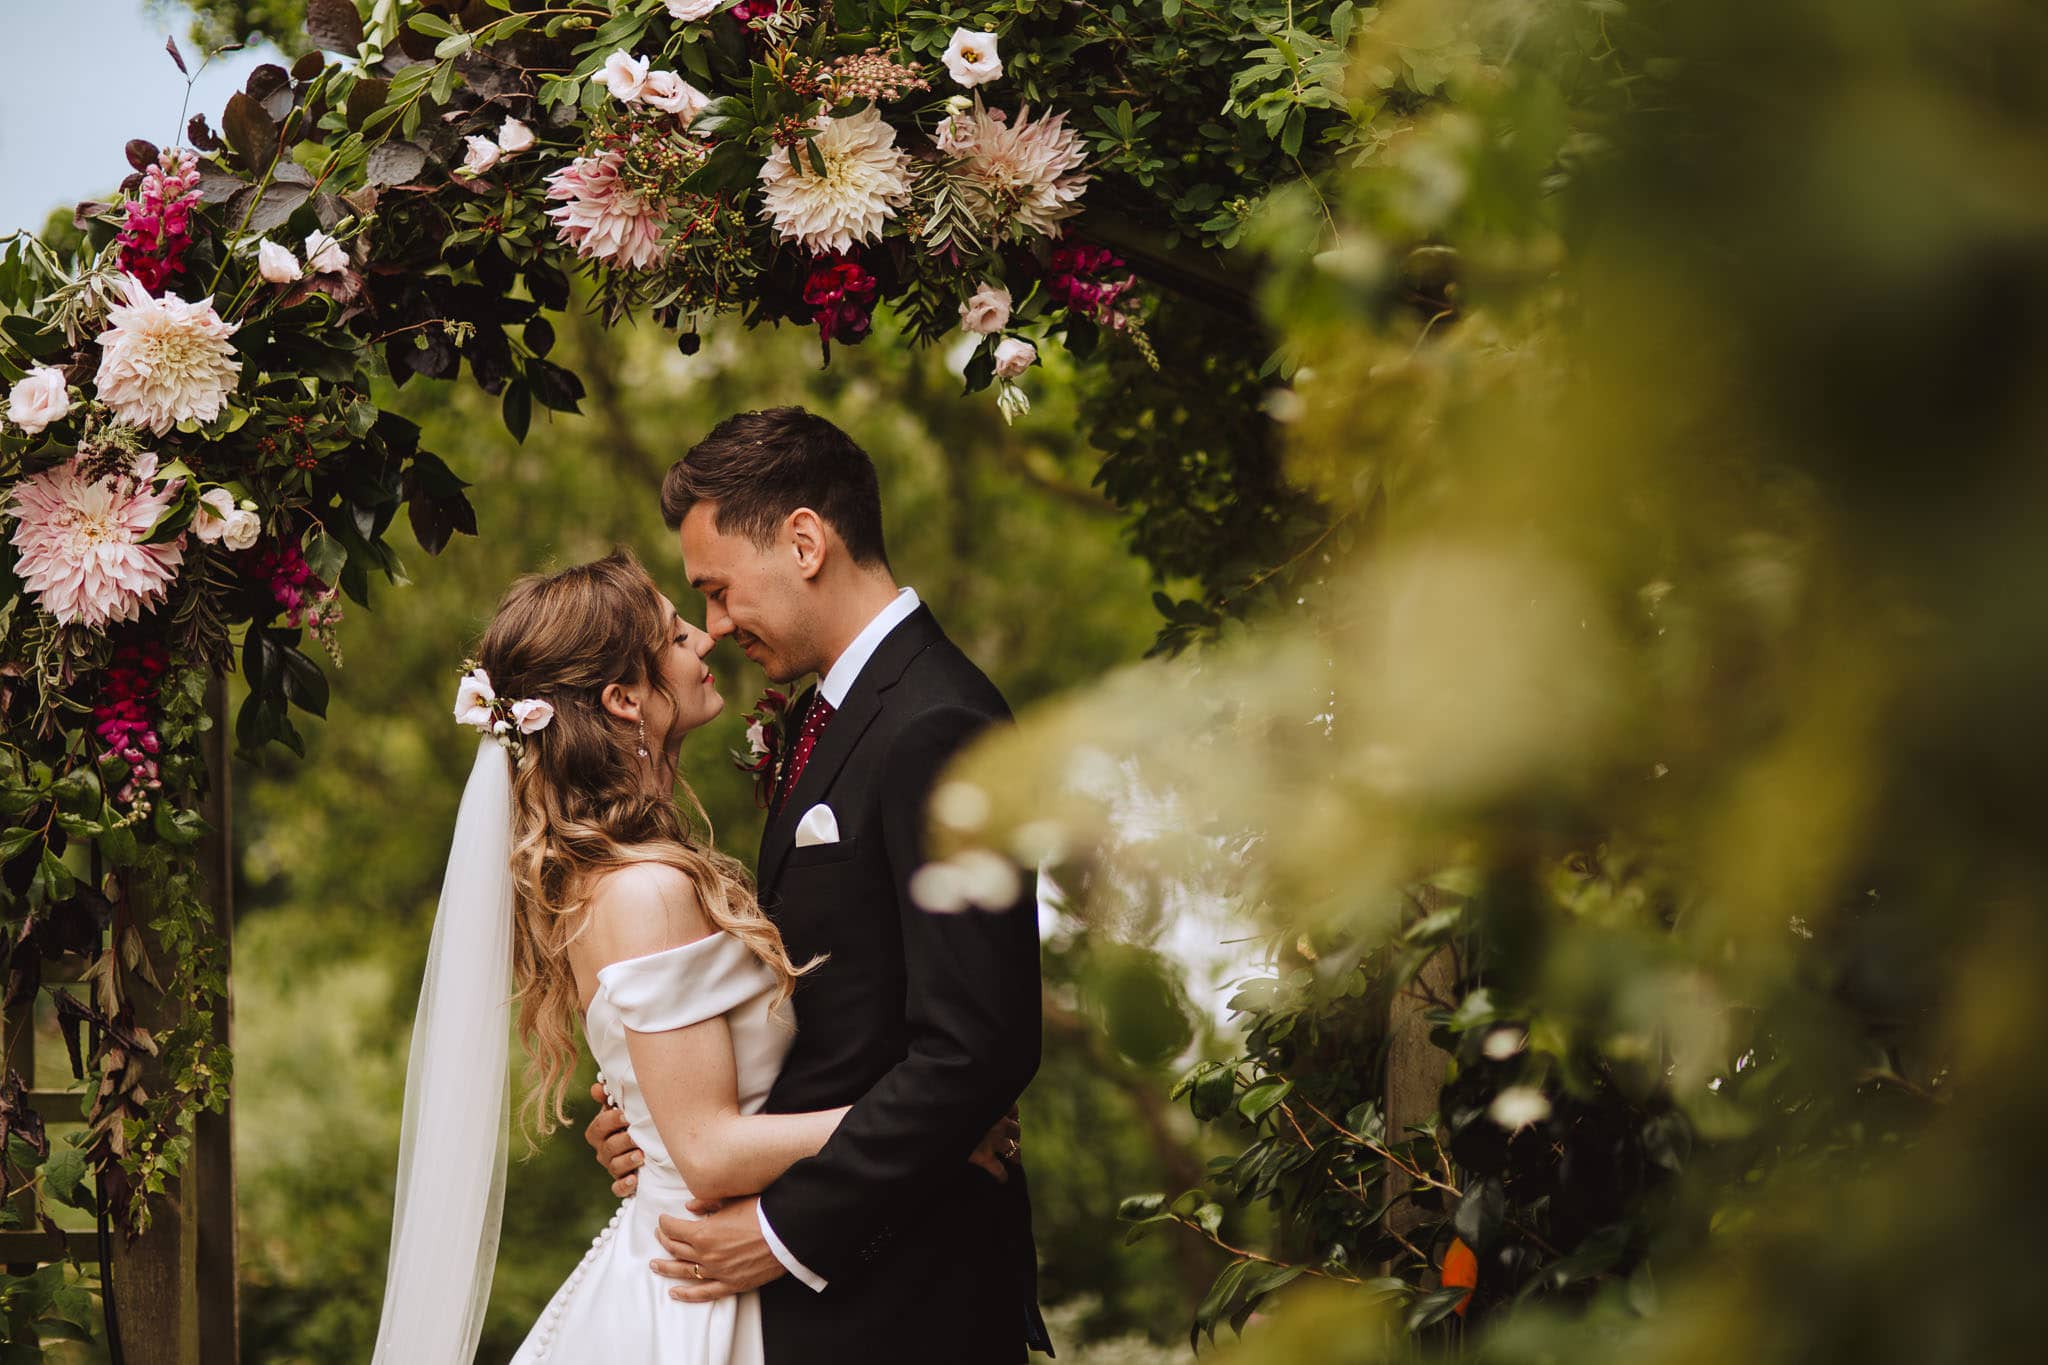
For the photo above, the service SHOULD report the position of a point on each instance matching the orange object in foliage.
(1461, 1267)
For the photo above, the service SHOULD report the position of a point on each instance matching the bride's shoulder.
(641, 908)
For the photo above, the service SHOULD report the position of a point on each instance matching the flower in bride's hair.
(531, 714)
(473, 698)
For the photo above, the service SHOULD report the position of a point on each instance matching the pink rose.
(671, 94)
(624, 75)
(986, 310)
(1014, 356)
(38, 398)
(514, 136)
(483, 154)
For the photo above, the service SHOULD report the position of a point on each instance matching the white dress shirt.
(838, 681)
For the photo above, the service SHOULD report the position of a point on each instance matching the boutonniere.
(764, 744)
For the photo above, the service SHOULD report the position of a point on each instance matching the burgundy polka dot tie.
(806, 740)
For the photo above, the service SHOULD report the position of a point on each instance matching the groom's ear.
(807, 541)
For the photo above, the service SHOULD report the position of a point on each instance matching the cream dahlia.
(866, 179)
(80, 542)
(602, 218)
(1027, 169)
(164, 360)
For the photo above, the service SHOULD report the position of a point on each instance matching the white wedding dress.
(613, 1309)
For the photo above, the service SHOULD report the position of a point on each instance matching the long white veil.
(451, 1151)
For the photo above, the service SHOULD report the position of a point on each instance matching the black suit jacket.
(927, 1024)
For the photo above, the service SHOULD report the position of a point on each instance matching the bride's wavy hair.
(580, 801)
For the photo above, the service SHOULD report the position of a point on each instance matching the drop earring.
(643, 739)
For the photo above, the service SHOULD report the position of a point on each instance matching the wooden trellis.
(174, 1289)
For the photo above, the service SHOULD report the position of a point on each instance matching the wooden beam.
(1223, 281)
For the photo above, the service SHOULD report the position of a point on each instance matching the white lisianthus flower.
(276, 263)
(671, 94)
(1519, 1106)
(482, 155)
(325, 255)
(624, 75)
(163, 361)
(1012, 402)
(866, 179)
(38, 398)
(1014, 355)
(514, 136)
(216, 505)
(690, 11)
(1503, 1043)
(244, 528)
(971, 58)
(987, 309)
(757, 739)
(532, 714)
(473, 698)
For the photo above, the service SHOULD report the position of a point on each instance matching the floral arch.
(195, 471)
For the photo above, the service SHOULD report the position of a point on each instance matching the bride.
(576, 889)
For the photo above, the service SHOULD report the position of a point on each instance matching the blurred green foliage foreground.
(1672, 737)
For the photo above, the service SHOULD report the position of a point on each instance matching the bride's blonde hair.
(580, 801)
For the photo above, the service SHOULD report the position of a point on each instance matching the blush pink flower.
(164, 360)
(603, 219)
(1029, 170)
(81, 546)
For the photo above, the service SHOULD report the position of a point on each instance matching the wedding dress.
(613, 1309)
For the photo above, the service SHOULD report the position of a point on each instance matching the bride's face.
(686, 679)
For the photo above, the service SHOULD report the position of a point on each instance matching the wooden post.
(175, 1286)
(1415, 1069)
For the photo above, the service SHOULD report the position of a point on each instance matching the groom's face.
(754, 595)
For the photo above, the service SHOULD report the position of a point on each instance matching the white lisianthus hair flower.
(671, 94)
(971, 58)
(624, 75)
(276, 263)
(38, 398)
(482, 155)
(866, 179)
(1014, 355)
(514, 136)
(690, 11)
(531, 714)
(473, 698)
(987, 310)
(164, 360)
(325, 255)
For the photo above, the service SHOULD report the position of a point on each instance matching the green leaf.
(1435, 1306)
(15, 840)
(325, 556)
(1257, 1101)
(64, 1176)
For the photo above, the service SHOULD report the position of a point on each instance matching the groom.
(888, 1244)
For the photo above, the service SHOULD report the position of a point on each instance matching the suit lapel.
(863, 703)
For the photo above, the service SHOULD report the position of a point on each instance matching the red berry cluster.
(841, 294)
(125, 718)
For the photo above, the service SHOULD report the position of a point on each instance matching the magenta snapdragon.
(158, 228)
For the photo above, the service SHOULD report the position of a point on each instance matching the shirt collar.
(840, 679)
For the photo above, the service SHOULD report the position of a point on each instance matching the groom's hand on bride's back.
(608, 1137)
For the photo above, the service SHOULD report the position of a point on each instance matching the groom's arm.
(972, 1009)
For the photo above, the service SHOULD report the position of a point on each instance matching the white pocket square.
(819, 826)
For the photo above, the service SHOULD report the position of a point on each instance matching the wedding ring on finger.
(697, 1271)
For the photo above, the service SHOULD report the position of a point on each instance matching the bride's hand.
(608, 1137)
(999, 1146)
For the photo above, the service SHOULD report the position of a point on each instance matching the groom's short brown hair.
(758, 467)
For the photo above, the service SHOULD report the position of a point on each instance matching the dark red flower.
(842, 297)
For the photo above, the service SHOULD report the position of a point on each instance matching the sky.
(78, 79)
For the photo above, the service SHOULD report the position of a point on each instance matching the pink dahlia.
(156, 229)
(1028, 170)
(164, 360)
(603, 219)
(81, 542)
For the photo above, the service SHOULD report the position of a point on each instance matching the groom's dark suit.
(927, 1024)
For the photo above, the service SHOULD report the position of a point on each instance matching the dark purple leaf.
(335, 25)
(250, 131)
(142, 153)
(171, 46)
(201, 134)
